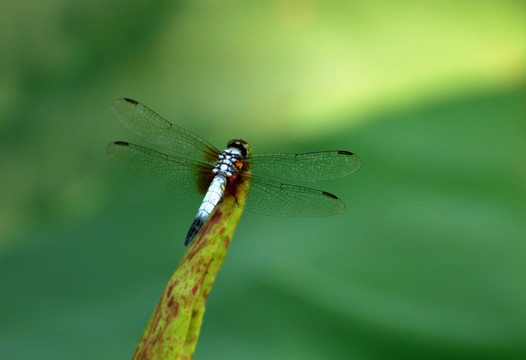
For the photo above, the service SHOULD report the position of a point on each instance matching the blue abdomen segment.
(213, 196)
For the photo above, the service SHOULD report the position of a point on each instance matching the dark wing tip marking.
(329, 195)
(343, 152)
(123, 143)
(131, 101)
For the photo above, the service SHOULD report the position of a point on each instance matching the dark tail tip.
(194, 230)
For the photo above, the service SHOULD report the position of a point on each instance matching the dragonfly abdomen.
(224, 169)
(213, 196)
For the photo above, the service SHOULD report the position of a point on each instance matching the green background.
(429, 261)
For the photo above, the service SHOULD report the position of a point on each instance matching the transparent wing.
(316, 166)
(158, 131)
(173, 173)
(269, 197)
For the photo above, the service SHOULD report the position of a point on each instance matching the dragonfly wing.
(173, 173)
(157, 131)
(316, 166)
(269, 197)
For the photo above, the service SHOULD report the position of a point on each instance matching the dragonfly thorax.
(226, 165)
(229, 158)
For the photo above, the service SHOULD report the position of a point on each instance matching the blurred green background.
(429, 261)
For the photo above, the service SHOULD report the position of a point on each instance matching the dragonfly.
(197, 167)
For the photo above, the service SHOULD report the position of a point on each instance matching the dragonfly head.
(241, 145)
